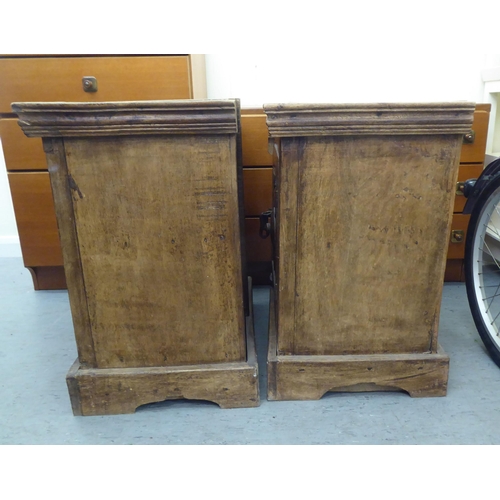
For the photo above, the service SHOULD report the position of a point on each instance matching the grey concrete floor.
(37, 348)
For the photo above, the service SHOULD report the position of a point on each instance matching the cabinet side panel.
(158, 227)
(59, 180)
(373, 220)
(288, 172)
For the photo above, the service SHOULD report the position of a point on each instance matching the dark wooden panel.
(454, 271)
(258, 249)
(48, 277)
(258, 190)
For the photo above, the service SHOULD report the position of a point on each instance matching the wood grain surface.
(123, 390)
(119, 78)
(255, 139)
(20, 152)
(159, 245)
(296, 377)
(76, 119)
(151, 229)
(35, 218)
(474, 152)
(303, 120)
(363, 234)
(364, 205)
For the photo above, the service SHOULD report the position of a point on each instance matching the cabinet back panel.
(158, 234)
(369, 218)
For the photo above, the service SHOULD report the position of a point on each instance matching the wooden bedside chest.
(363, 204)
(71, 79)
(148, 202)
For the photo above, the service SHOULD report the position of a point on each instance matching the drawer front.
(118, 79)
(258, 249)
(258, 190)
(475, 151)
(21, 152)
(454, 270)
(466, 172)
(254, 138)
(456, 250)
(36, 219)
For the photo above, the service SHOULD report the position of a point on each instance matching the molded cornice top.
(66, 119)
(299, 120)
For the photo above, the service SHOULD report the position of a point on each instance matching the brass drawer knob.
(457, 236)
(89, 84)
(459, 188)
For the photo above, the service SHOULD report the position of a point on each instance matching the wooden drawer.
(258, 190)
(454, 270)
(258, 249)
(466, 172)
(459, 223)
(118, 78)
(474, 152)
(36, 219)
(254, 137)
(21, 152)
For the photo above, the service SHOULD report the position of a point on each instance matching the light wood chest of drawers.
(471, 165)
(61, 78)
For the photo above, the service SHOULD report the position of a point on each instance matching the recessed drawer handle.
(89, 84)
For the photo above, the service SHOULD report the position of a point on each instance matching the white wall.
(318, 77)
(337, 77)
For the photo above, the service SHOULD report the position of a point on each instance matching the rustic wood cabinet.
(363, 203)
(148, 197)
(62, 78)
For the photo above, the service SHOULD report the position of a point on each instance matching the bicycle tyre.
(482, 268)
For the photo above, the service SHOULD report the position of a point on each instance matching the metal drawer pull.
(469, 137)
(457, 236)
(265, 224)
(459, 188)
(89, 84)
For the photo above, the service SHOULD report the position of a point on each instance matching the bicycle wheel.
(482, 268)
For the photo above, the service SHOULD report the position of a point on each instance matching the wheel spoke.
(492, 296)
(495, 319)
(491, 253)
(492, 228)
